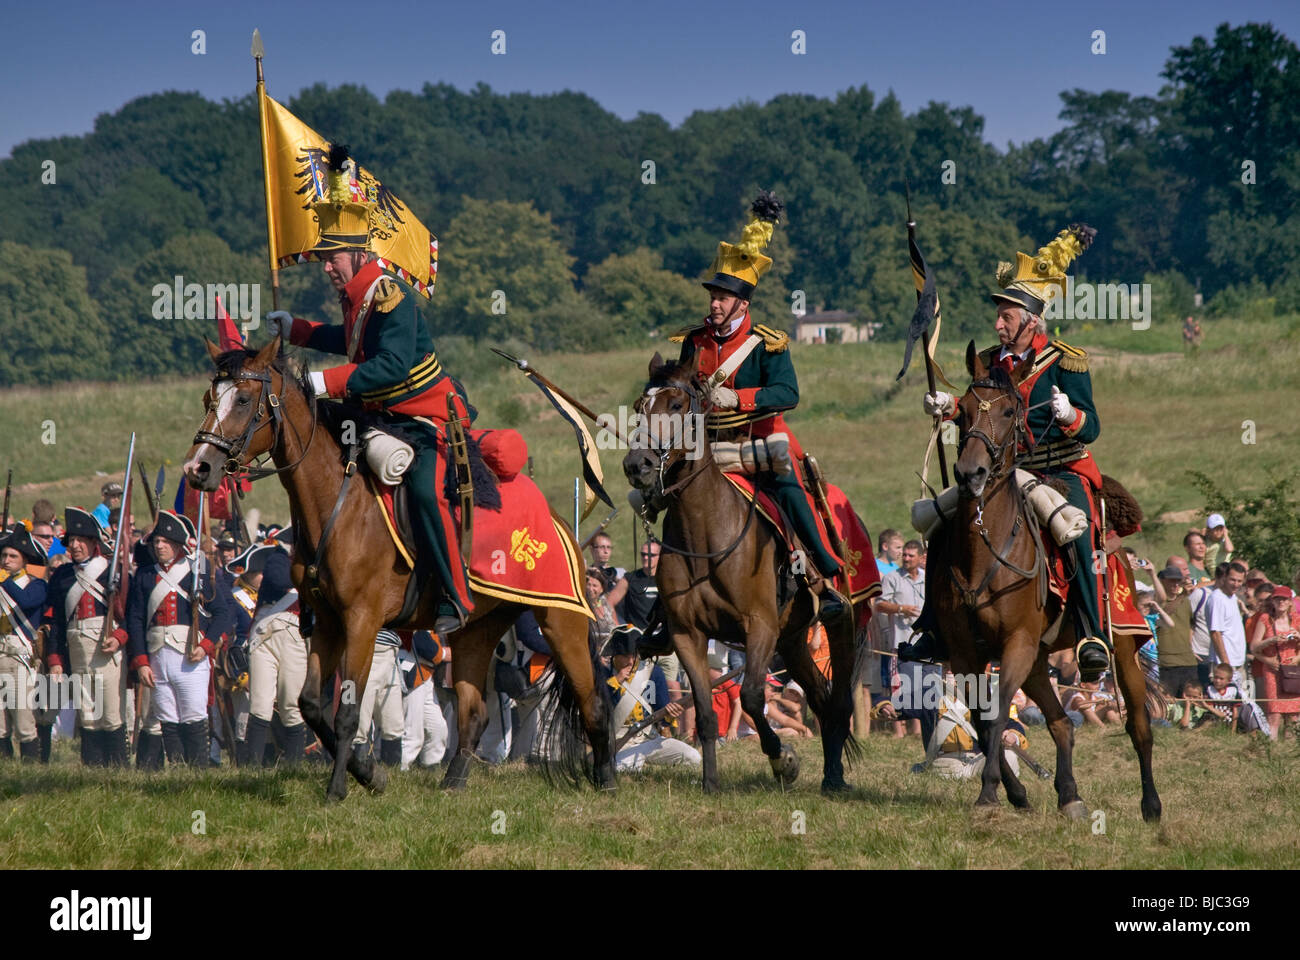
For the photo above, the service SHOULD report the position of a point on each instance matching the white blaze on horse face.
(226, 394)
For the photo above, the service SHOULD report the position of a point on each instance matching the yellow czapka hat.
(737, 267)
(1031, 282)
(344, 220)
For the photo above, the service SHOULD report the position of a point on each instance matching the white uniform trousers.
(656, 751)
(425, 736)
(17, 688)
(277, 669)
(88, 661)
(180, 693)
(381, 703)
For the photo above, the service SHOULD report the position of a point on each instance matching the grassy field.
(1228, 802)
(1163, 413)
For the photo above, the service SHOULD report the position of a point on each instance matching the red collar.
(355, 289)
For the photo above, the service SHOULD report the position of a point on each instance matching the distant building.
(832, 326)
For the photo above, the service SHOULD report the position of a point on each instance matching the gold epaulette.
(681, 335)
(774, 341)
(1072, 358)
(388, 296)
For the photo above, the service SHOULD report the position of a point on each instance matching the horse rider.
(22, 601)
(392, 370)
(760, 386)
(277, 657)
(1061, 421)
(160, 607)
(78, 591)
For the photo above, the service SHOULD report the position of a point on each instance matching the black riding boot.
(255, 740)
(92, 748)
(172, 742)
(45, 736)
(6, 748)
(195, 743)
(295, 742)
(149, 752)
(390, 752)
(114, 742)
(928, 647)
(30, 750)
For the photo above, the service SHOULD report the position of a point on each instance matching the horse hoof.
(333, 796)
(1151, 814)
(453, 783)
(378, 781)
(1075, 810)
(835, 787)
(1022, 805)
(786, 766)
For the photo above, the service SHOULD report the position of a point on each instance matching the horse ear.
(974, 366)
(213, 350)
(656, 364)
(268, 353)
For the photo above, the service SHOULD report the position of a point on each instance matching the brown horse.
(720, 576)
(255, 407)
(988, 583)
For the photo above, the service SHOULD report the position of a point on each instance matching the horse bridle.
(998, 472)
(997, 451)
(234, 447)
(699, 407)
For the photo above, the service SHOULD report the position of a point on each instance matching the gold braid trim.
(774, 341)
(1072, 358)
(388, 296)
(681, 335)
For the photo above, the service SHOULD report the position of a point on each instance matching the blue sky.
(67, 62)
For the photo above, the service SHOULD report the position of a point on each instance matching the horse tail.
(563, 748)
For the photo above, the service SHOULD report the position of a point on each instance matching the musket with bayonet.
(599, 529)
(9, 487)
(148, 494)
(199, 559)
(120, 545)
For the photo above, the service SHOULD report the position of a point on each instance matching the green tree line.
(597, 230)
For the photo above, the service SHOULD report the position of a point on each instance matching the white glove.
(317, 380)
(724, 398)
(1061, 408)
(939, 404)
(279, 323)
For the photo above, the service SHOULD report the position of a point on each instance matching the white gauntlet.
(939, 404)
(724, 398)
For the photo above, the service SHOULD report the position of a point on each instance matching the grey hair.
(1033, 321)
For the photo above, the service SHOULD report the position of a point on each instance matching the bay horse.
(988, 584)
(720, 577)
(256, 407)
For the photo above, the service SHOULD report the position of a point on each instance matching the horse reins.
(232, 448)
(697, 409)
(998, 474)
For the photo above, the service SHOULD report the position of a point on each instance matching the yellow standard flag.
(297, 175)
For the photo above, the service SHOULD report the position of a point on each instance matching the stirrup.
(1093, 657)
